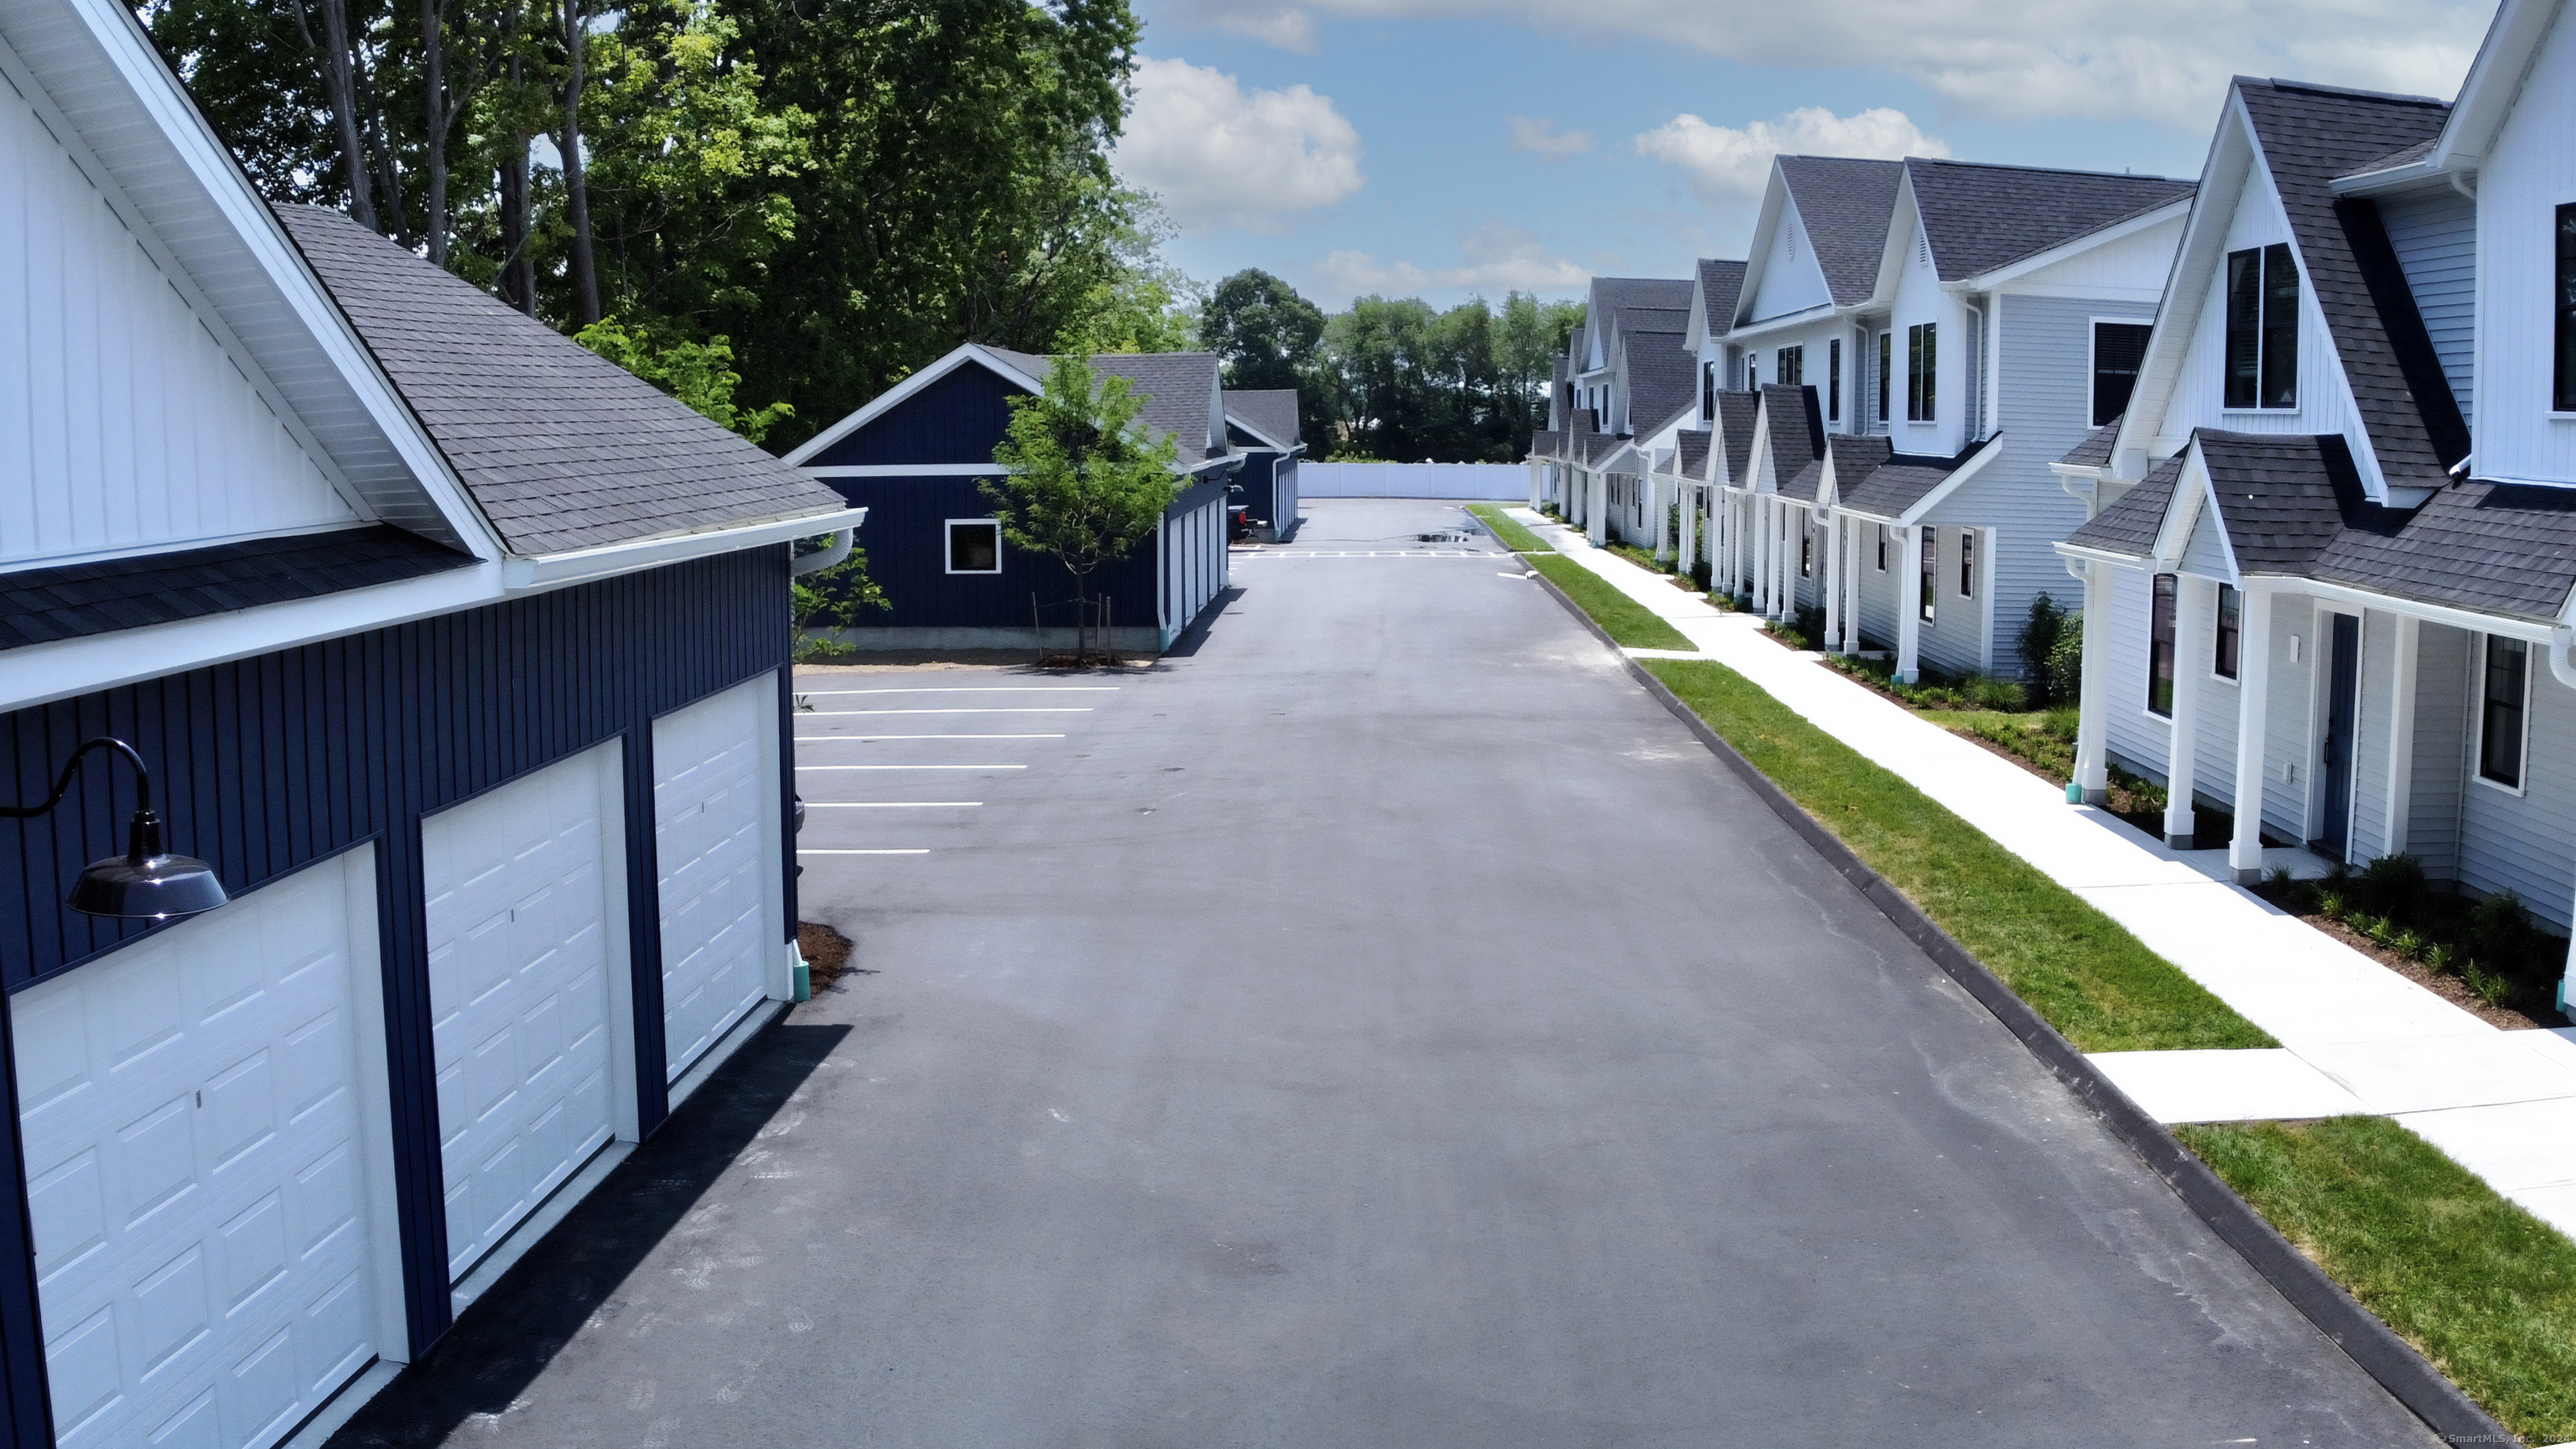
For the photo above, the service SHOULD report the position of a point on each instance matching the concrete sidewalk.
(2355, 1036)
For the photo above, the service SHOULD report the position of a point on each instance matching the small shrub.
(2062, 723)
(2490, 987)
(2408, 943)
(2278, 875)
(2330, 904)
(2041, 633)
(1700, 575)
(2066, 664)
(2444, 958)
(1995, 694)
(2395, 883)
(2499, 928)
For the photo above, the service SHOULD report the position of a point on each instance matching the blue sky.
(1370, 145)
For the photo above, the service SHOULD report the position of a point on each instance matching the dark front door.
(2343, 694)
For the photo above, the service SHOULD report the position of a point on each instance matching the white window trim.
(2478, 718)
(948, 552)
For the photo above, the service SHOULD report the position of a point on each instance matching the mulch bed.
(827, 954)
(2450, 988)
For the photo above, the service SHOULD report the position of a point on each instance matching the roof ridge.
(2053, 170)
(2319, 88)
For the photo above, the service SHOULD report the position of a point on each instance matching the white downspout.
(824, 558)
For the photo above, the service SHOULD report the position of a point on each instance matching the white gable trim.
(1992, 449)
(2495, 82)
(2100, 236)
(2223, 177)
(895, 396)
(1266, 440)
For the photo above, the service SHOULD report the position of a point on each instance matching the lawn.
(2485, 1290)
(1514, 537)
(1623, 618)
(2084, 973)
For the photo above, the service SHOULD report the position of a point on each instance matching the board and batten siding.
(2435, 234)
(266, 764)
(2523, 178)
(957, 418)
(123, 423)
(2441, 749)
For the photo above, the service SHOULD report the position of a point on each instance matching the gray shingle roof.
(561, 448)
(68, 601)
(1690, 452)
(1596, 447)
(1844, 204)
(1271, 409)
(2308, 135)
(2283, 499)
(2130, 523)
(1545, 445)
(2095, 450)
(1897, 485)
(1797, 431)
(1663, 380)
(2400, 157)
(2500, 548)
(1721, 285)
(1804, 483)
(1854, 457)
(1736, 412)
(1177, 387)
(1979, 217)
(1612, 296)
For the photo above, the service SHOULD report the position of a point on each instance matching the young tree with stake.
(1084, 482)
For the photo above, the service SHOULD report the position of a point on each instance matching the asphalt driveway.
(1379, 1025)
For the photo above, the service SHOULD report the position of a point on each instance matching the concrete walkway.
(2356, 1037)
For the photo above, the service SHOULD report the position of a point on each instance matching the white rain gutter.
(519, 575)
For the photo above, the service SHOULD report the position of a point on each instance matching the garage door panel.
(714, 790)
(193, 1119)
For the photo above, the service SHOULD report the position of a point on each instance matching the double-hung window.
(1922, 364)
(2118, 350)
(1834, 379)
(2229, 648)
(2262, 328)
(1967, 563)
(2500, 711)
(2160, 647)
(2562, 391)
(1792, 367)
(974, 546)
(1886, 365)
(1931, 573)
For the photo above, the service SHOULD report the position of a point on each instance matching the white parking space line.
(894, 804)
(863, 852)
(982, 689)
(800, 769)
(818, 739)
(990, 709)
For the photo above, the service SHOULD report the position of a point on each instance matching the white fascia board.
(1958, 479)
(2182, 510)
(1905, 222)
(2473, 620)
(2495, 81)
(1789, 321)
(2101, 555)
(1757, 253)
(1273, 443)
(1695, 329)
(2232, 162)
(893, 397)
(554, 570)
(2099, 236)
(214, 196)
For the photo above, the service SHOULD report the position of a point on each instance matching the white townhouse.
(2337, 528)
(1961, 325)
(1617, 378)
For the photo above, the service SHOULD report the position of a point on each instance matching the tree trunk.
(585, 267)
(344, 111)
(433, 43)
(518, 269)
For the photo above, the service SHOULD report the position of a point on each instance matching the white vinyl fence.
(1413, 480)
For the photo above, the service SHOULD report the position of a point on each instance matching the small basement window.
(974, 546)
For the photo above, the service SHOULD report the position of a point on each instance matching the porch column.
(1758, 520)
(1909, 603)
(2253, 703)
(2182, 746)
(1663, 516)
(1686, 547)
(1596, 510)
(1851, 585)
(1833, 561)
(2093, 730)
(2401, 737)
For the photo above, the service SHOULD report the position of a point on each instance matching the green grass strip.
(1514, 537)
(2092, 980)
(1633, 624)
(2485, 1290)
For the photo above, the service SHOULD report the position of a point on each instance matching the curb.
(2373, 1345)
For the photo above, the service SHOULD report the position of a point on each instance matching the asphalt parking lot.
(1377, 1024)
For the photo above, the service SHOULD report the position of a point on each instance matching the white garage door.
(520, 883)
(205, 1157)
(715, 800)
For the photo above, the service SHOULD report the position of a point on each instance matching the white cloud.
(1730, 163)
(1221, 156)
(1539, 136)
(1495, 258)
(2018, 59)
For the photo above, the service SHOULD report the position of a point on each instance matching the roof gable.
(1270, 413)
(1979, 217)
(1716, 287)
(1843, 205)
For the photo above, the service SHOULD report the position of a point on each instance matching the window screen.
(2500, 711)
(2160, 648)
(2118, 349)
(974, 547)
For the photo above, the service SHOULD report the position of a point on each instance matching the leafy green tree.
(1083, 482)
(830, 598)
(697, 373)
(1263, 332)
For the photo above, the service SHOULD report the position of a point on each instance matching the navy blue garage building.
(1262, 422)
(456, 652)
(916, 458)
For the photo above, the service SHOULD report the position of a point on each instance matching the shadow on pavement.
(1196, 635)
(508, 1337)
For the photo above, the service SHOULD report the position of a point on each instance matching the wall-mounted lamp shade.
(146, 883)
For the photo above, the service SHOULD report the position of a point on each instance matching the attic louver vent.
(1923, 250)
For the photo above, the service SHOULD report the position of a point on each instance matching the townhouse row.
(2298, 438)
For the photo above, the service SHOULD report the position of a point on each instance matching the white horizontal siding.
(2527, 843)
(2441, 748)
(2376, 716)
(2524, 176)
(2135, 735)
(2288, 724)
(127, 424)
(2435, 234)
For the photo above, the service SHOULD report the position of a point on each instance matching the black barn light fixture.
(146, 883)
